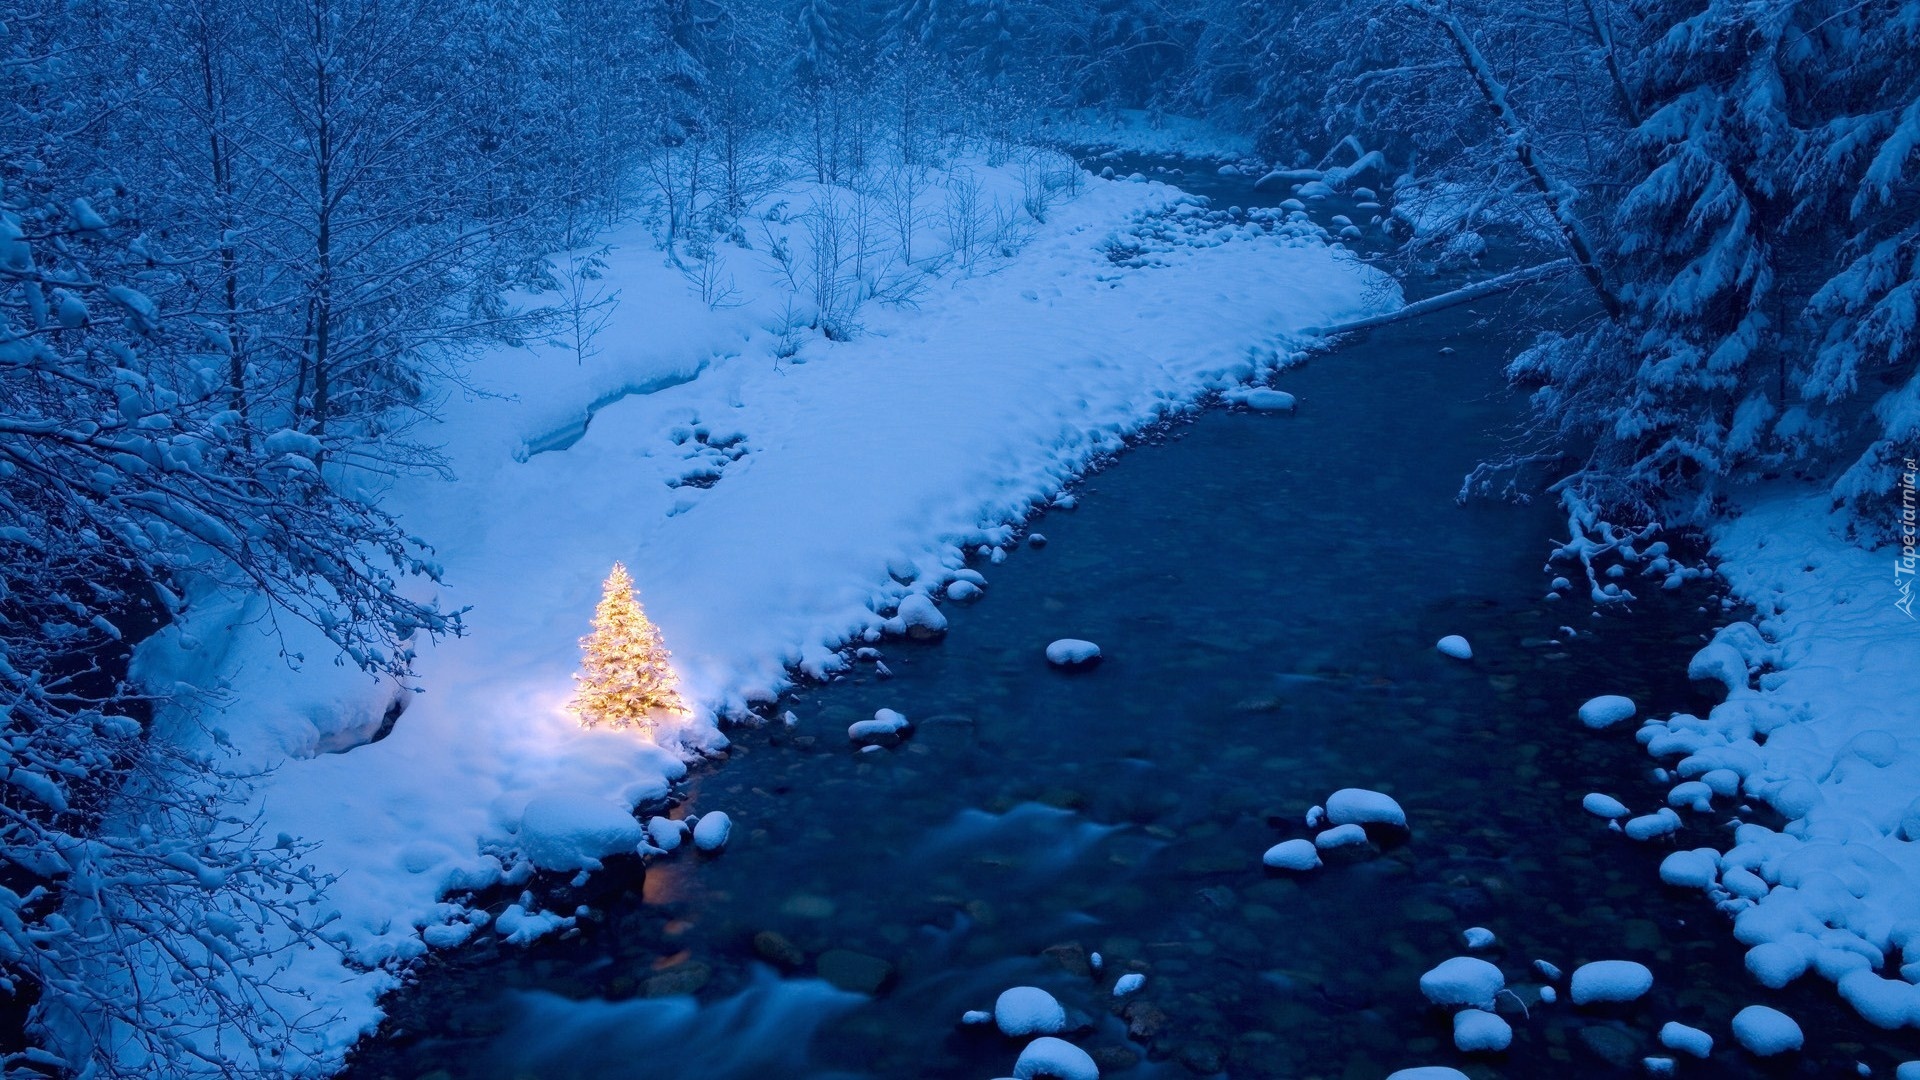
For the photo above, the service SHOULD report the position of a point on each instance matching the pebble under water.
(1267, 591)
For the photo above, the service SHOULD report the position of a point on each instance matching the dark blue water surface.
(1267, 591)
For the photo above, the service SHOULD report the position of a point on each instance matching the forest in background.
(246, 244)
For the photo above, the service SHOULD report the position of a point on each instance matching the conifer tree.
(628, 676)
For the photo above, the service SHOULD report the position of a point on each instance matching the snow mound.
(1694, 869)
(1610, 981)
(1455, 646)
(886, 726)
(1605, 806)
(1341, 836)
(564, 831)
(919, 617)
(1293, 854)
(1263, 399)
(1072, 652)
(1055, 1059)
(1128, 983)
(1682, 1039)
(666, 833)
(1475, 1031)
(1028, 1010)
(1766, 1031)
(1463, 981)
(710, 833)
(1606, 710)
(1358, 806)
(1662, 822)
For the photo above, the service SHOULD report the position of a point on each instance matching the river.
(1267, 591)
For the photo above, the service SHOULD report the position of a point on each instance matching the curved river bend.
(1267, 590)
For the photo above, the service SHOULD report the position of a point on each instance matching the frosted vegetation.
(248, 250)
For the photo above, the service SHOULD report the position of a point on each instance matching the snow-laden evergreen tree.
(627, 677)
(1767, 245)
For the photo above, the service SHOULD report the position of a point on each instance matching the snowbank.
(1818, 723)
(777, 495)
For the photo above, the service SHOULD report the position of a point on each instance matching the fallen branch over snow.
(1490, 287)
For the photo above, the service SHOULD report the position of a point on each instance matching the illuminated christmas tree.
(627, 674)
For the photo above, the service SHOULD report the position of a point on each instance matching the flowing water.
(1267, 591)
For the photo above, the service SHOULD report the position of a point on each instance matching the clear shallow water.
(1267, 590)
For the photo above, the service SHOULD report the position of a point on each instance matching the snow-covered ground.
(776, 496)
(1820, 724)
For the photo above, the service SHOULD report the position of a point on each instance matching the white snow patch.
(1028, 1010)
(710, 833)
(1341, 836)
(563, 831)
(1463, 981)
(1605, 806)
(886, 724)
(1262, 399)
(1766, 1031)
(1606, 710)
(1359, 806)
(1609, 981)
(1296, 854)
(1056, 1059)
(1682, 1039)
(1694, 869)
(1072, 652)
(1480, 1032)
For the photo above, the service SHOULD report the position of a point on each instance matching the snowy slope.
(1822, 722)
(835, 475)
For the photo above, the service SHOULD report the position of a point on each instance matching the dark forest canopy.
(246, 244)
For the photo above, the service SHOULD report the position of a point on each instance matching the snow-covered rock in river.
(1477, 937)
(1455, 646)
(1055, 1059)
(963, 590)
(1359, 806)
(711, 831)
(1028, 1010)
(1128, 983)
(1686, 1040)
(1263, 399)
(1463, 981)
(1605, 806)
(1293, 854)
(1475, 1031)
(1073, 653)
(1694, 869)
(666, 833)
(1766, 1031)
(564, 831)
(1662, 822)
(1885, 1003)
(1606, 710)
(1341, 836)
(920, 618)
(1774, 964)
(886, 726)
(1610, 981)
(1428, 1072)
